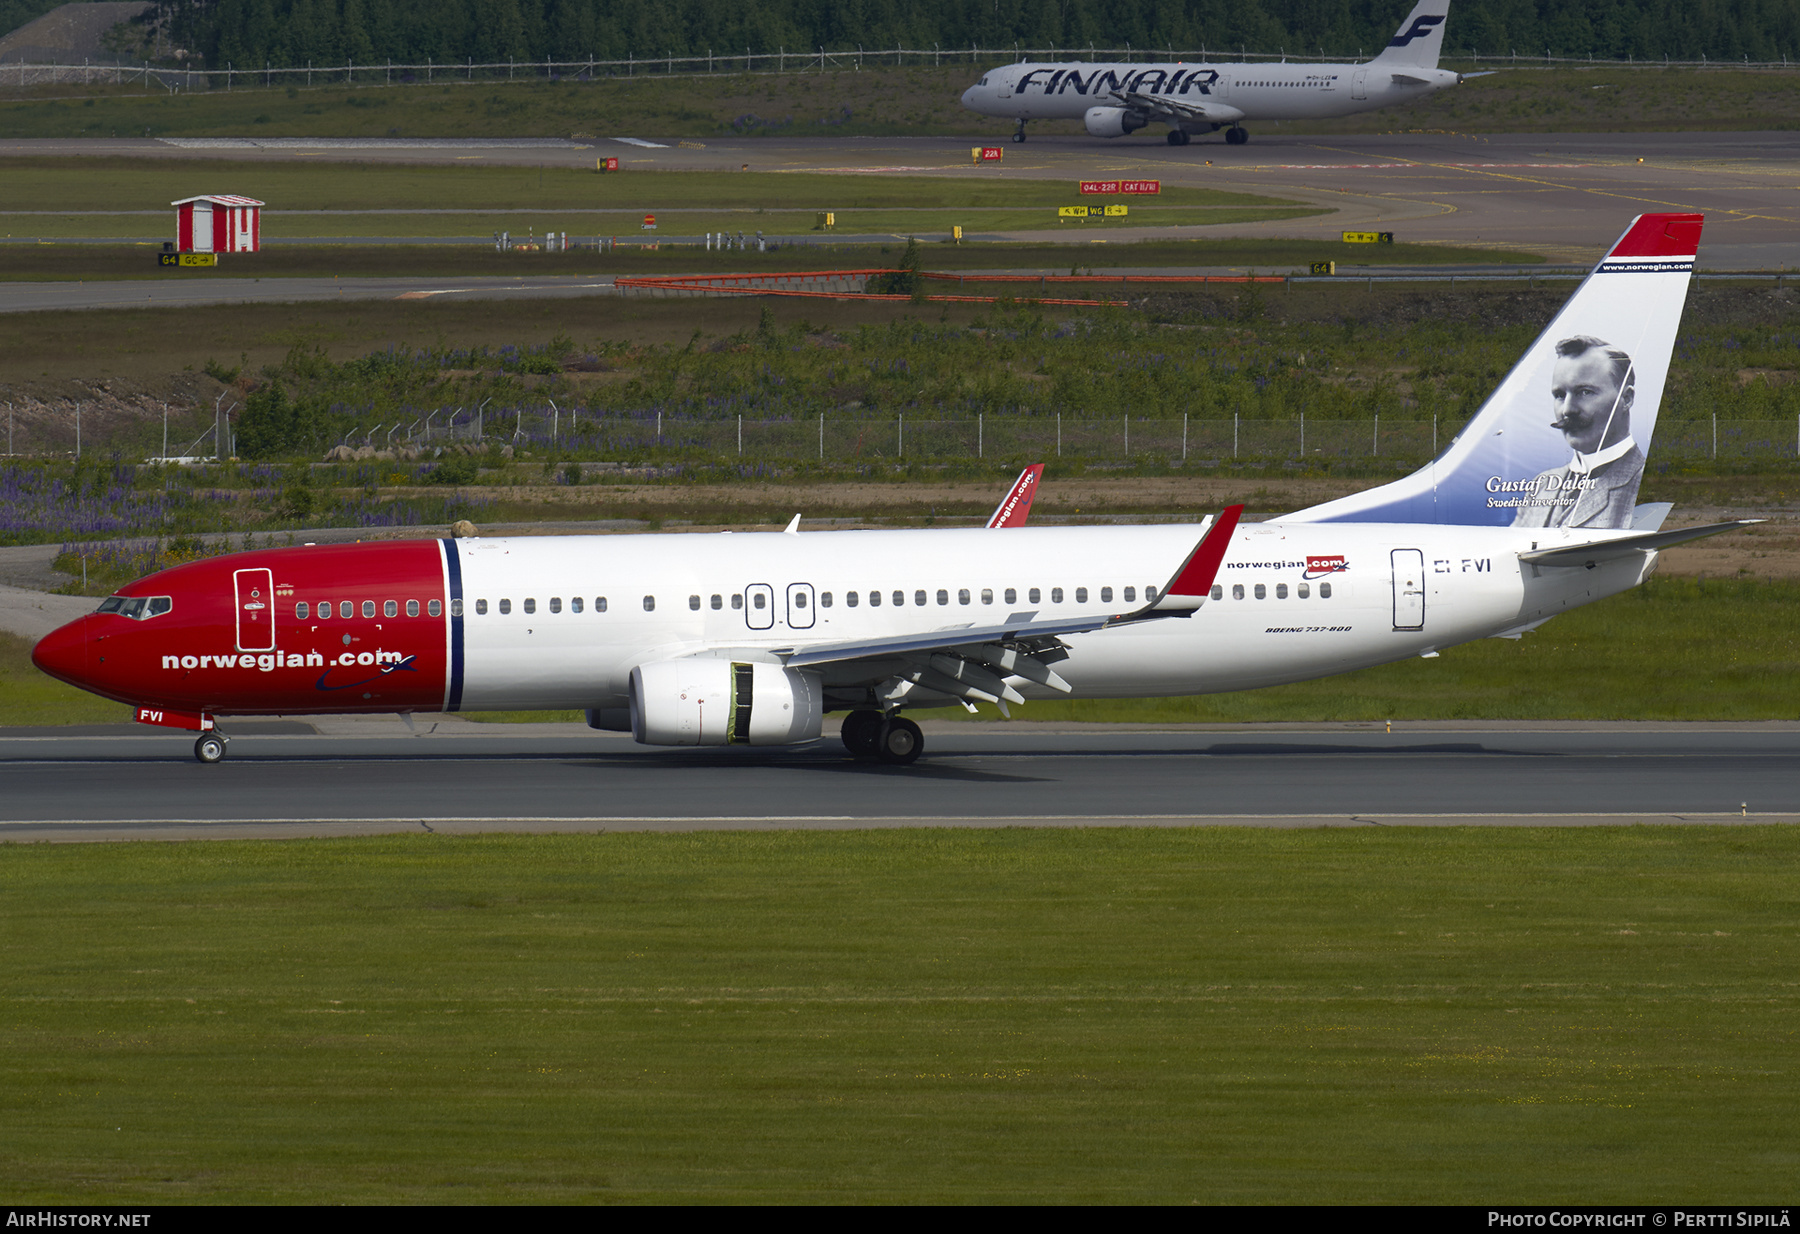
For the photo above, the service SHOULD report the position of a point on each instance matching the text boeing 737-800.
(752, 638)
(1116, 99)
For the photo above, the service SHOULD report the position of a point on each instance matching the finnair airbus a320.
(753, 638)
(1117, 99)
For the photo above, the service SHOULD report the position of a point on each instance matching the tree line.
(292, 33)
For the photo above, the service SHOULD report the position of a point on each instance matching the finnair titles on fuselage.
(1116, 99)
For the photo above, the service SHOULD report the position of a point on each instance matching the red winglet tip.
(1197, 578)
(1660, 235)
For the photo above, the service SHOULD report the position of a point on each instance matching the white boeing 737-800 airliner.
(1117, 99)
(752, 638)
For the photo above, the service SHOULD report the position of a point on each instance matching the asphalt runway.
(368, 776)
(1566, 195)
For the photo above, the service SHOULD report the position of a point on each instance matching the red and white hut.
(220, 223)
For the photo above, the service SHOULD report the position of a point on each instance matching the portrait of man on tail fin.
(1592, 387)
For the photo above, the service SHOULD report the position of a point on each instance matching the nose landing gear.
(210, 748)
(1019, 133)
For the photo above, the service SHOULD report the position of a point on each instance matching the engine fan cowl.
(705, 702)
(1113, 121)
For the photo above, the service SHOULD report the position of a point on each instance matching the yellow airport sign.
(187, 260)
(1324, 267)
(1071, 212)
(826, 220)
(1116, 212)
(956, 233)
(1368, 237)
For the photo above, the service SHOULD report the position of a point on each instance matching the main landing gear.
(1019, 133)
(211, 747)
(1236, 135)
(888, 739)
(1178, 138)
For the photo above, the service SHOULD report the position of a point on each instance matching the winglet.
(1192, 583)
(1015, 507)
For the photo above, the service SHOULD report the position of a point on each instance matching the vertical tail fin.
(1420, 37)
(1561, 441)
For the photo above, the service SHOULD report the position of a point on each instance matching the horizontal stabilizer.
(1592, 554)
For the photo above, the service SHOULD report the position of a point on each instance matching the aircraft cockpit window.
(984, 81)
(137, 608)
(302, 610)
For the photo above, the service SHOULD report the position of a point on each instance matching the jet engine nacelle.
(705, 702)
(1113, 121)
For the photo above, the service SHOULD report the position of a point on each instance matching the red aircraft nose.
(63, 653)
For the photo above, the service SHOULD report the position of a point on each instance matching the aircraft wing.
(961, 661)
(1597, 551)
(1156, 105)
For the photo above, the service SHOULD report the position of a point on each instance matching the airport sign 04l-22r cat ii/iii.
(1114, 100)
(688, 639)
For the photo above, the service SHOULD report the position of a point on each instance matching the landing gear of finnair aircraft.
(1178, 138)
(899, 742)
(1236, 135)
(861, 730)
(210, 748)
(1019, 133)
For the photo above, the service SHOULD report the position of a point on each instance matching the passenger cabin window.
(301, 610)
(530, 605)
(943, 597)
(757, 601)
(824, 599)
(412, 608)
(1237, 591)
(1218, 592)
(436, 608)
(874, 599)
(574, 604)
(324, 610)
(899, 598)
(599, 604)
(505, 607)
(1081, 595)
(1033, 595)
(919, 598)
(1324, 591)
(1012, 595)
(1262, 593)
(556, 604)
(1056, 595)
(1106, 595)
(1304, 591)
(737, 602)
(799, 599)
(650, 604)
(850, 598)
(368, 608)
(481, 608)
(693, 604)
(390, 608)
(1131, 595)
(347, 610)
(1281, 591)
(718, 602)
(987, 595)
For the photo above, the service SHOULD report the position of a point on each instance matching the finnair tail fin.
(1561, 441)
(1420, 37)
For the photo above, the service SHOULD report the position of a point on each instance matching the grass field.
(878, 101)
(1592, 1015)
